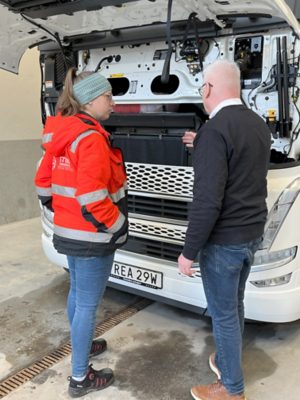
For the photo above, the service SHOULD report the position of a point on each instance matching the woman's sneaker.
(98, 347)
(94, 380)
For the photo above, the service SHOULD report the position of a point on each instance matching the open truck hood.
(71, 18)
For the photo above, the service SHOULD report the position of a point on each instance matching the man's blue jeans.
(88, 278)
(224, 271)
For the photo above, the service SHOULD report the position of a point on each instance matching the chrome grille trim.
(157, 230)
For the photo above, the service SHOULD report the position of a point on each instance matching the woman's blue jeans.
(88, 278)
(224, 271)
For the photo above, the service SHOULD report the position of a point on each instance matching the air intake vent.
(160, 179)
(162, 231)
(153, 248)
(158, 207)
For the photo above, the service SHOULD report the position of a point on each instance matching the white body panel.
(18, 33)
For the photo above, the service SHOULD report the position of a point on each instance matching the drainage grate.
(26, 374)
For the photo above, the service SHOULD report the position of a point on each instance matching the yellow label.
(116, 75)
(271, 113)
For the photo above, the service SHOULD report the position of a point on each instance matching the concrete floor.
(32, 298)
(157, 354)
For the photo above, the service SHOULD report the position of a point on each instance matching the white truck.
(153, 52)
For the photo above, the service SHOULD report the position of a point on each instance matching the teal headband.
(90, 87)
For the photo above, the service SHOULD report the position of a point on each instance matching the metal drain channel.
(13, 382)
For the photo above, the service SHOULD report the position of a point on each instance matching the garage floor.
(157, 354)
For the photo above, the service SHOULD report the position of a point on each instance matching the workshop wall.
(20, 132)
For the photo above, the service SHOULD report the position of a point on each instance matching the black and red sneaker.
(94, 380)
(98, 347)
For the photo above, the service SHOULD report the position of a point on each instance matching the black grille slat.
(153, 248)
(158, 207)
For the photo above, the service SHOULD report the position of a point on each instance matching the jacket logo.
(64, 163)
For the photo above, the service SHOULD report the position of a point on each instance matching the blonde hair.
(67, 104)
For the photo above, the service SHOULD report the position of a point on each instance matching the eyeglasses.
(201, 88)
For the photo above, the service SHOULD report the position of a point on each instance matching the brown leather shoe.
(213, 366)
(214, 391)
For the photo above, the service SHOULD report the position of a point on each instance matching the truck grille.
(158, 207)
(153, 248)
(162, 231)
(160, 179)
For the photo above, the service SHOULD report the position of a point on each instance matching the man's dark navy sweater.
(230, 160)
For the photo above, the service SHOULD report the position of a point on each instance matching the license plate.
(140, 276)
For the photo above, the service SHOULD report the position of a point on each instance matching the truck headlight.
(279, 212)
(279, 280)
(264, 260)
(47, 221)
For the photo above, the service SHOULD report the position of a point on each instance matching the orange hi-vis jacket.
(82, 178)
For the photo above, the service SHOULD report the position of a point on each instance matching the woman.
(82, 178)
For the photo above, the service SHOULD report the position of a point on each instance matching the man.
(227, 217)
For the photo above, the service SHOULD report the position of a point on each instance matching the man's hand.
(188, 138)
(185, 266)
